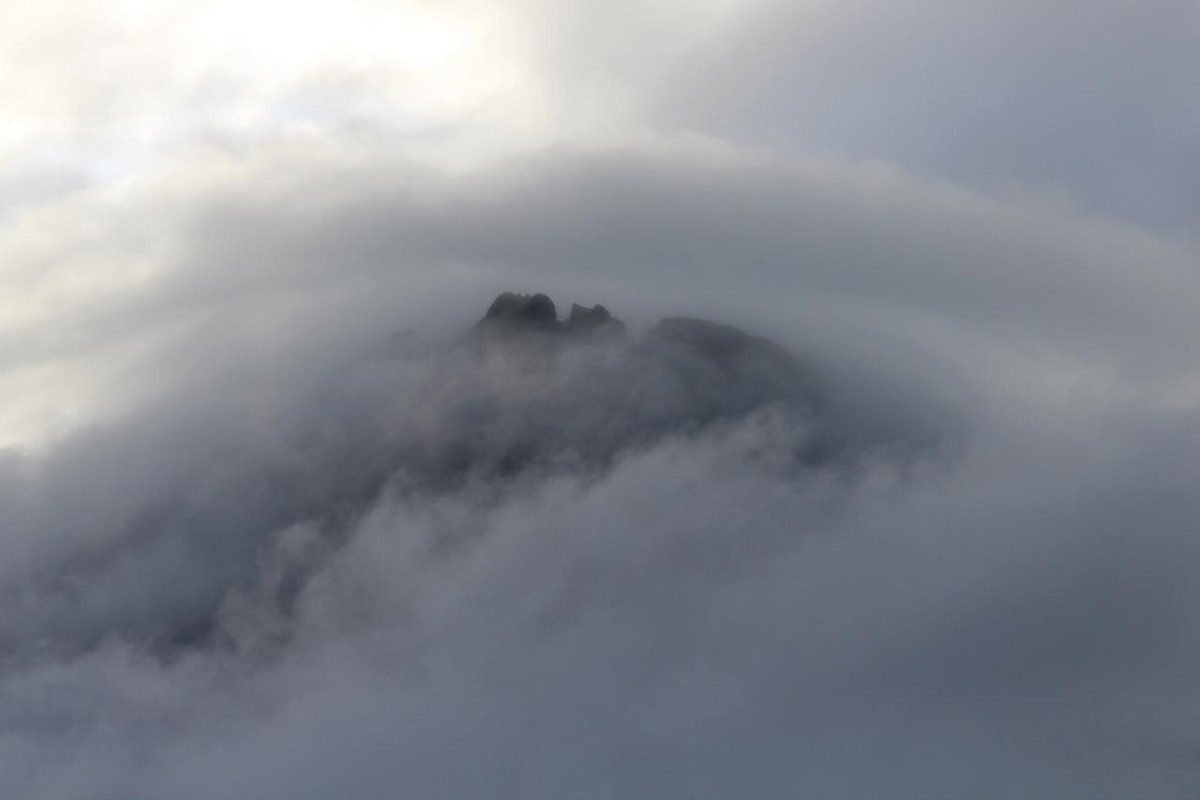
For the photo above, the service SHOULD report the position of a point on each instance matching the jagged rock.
(594, 320)
(522, 310)
(596, 315)
(512, 314)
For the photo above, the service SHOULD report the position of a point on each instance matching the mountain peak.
(536, 313)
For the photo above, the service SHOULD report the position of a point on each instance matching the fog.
(945, 548)
(883, 488)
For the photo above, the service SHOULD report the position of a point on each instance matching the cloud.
(687, 625)
(251, 576)
(1082, 103)
(247, 551)
(1087, 101)
(311, 236)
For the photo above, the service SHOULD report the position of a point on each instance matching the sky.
(233, 563)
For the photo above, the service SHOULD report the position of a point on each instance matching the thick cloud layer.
(1084, 101)
(280, 561)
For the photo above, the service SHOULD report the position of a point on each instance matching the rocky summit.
(516, 314)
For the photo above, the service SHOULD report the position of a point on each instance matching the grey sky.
(974, 221)
(1084, 100)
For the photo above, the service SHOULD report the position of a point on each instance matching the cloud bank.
(288, 563)
(277, 520)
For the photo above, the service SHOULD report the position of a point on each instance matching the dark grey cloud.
(265, 577)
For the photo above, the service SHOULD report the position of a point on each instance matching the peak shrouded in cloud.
(544, 556)
(856, 458)
(524, 398)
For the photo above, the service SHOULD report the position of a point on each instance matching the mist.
(530, 400)
(887, 559)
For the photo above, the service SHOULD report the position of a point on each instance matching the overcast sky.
(976, 220)
(119, 124)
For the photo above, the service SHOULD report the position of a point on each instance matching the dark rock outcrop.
(682, 375)
(594, 320)
(534, 315)
(525, 311)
